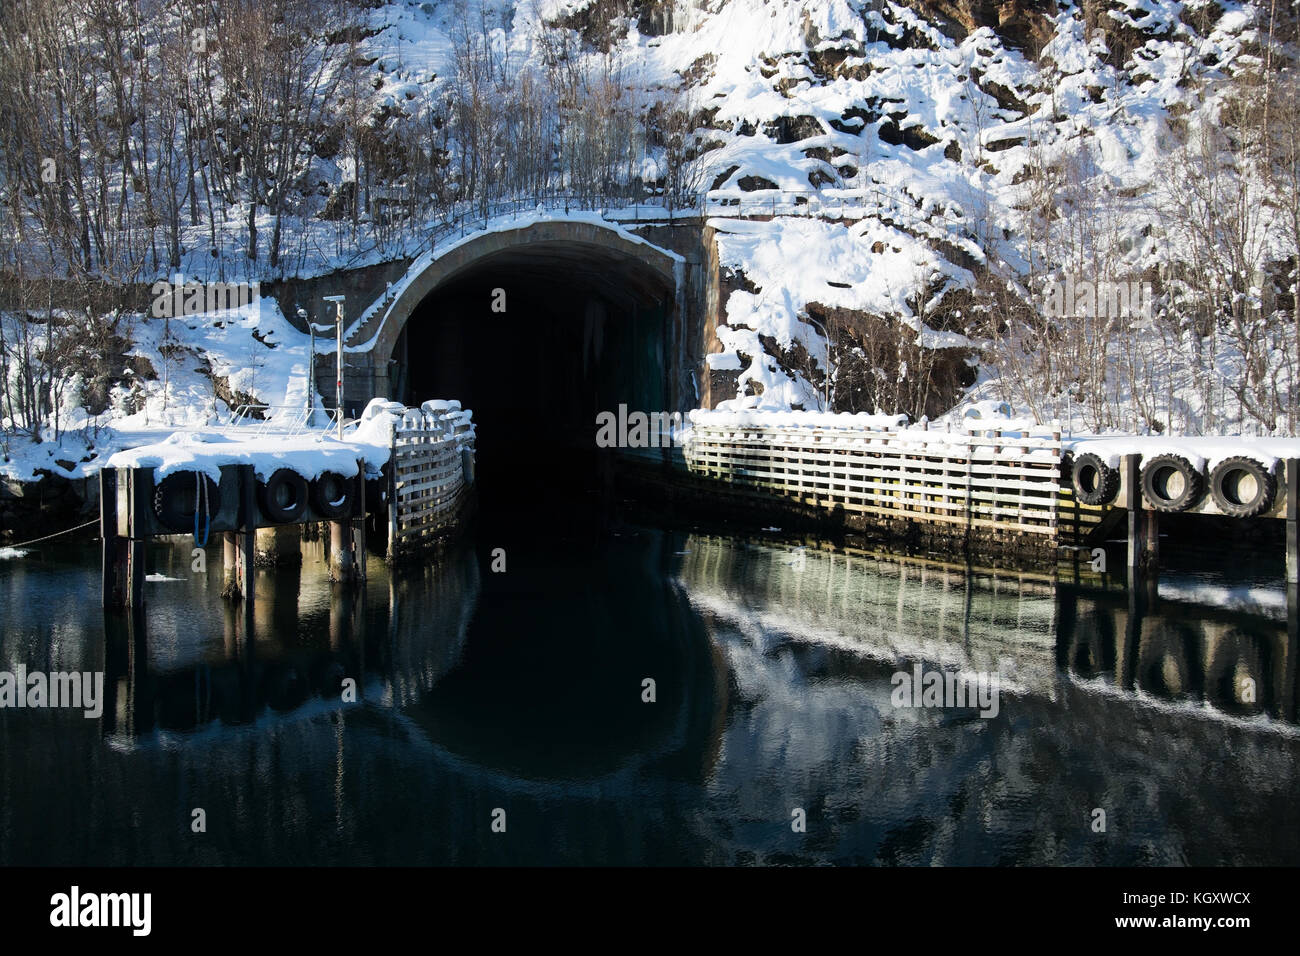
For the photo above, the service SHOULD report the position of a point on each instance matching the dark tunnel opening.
(537, 341)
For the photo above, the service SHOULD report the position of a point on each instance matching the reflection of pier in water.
(388, 650)
(812, 642)
(1033, 633)
(256, 732)
(774, 692)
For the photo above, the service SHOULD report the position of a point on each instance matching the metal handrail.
(466, 216)
(298, 422)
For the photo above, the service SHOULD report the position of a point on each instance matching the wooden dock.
(422, 496)
(1003, 489)
(979, 479)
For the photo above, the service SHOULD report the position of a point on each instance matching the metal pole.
(311, 369)
(338, 322)
(339, 317)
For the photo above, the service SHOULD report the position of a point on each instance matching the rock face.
(1022, 24)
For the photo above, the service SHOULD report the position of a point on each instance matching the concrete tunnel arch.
(602, 257)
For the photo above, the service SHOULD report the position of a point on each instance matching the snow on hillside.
(943, 139)
(205, 365)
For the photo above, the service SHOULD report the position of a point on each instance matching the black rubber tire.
(1094, 481)
(1224, 487)
(332, 495)
(1157, 471)
(174, 501)
(283, 496)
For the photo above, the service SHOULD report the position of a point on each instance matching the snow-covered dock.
(1009, 485)
(404, 470)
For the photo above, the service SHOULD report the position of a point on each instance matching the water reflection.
(525, 691)
(1227, 663)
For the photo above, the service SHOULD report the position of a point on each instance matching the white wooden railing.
(431, 472)
(985, 477)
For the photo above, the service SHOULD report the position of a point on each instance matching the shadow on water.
(523, 690)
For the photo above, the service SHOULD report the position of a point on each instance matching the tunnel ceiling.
(616, 276)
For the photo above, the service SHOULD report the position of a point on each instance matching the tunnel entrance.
(537, 340)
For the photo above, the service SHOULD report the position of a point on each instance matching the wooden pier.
(1002, 490)
(420, 497)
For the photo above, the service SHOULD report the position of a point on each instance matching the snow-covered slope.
(948, 159)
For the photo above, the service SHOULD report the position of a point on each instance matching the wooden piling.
(1289, 691)
(1151, 544)
(246, 550)
(1292, 514)
(229, 563)
(341, 563)
(135, 572)
(112, 571)
(1137, 515)
(392, 504)
(359, 537)
(124, 497)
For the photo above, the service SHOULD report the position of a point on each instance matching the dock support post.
(112, 552)
(359, 537)
(1143, 527)
(1292, 509)
(347, 554)
(229, 563)
(123, 497)
(1289, 690)
(392, 512)
(390, 489)
(135, 572)
(1134, 493)
(1151, 523)
(246, 547)
(341, 563)
(122, 550)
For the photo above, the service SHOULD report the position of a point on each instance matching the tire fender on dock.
(1171, 483)
(1242, 487)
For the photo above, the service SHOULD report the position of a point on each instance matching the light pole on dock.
(338, 319)
(311, 366)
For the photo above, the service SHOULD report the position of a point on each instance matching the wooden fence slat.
(999, 480)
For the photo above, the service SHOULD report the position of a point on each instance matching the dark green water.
(522, 692)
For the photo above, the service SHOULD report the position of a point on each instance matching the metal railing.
(841, 203)
(289, 421)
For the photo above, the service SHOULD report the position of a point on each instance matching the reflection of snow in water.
(884, 611)
(1199, 589)
(810, 653)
